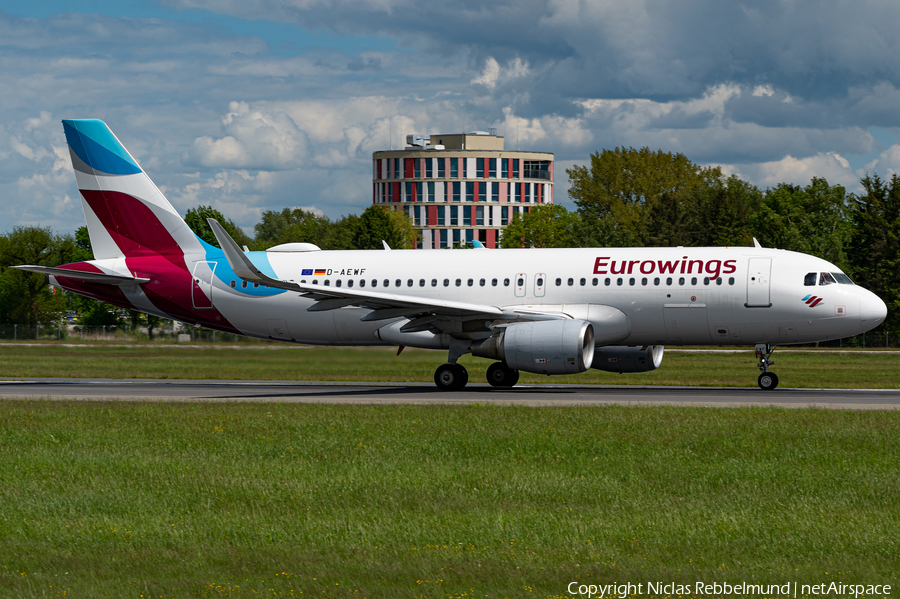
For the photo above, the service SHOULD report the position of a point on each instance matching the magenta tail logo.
(812, 301)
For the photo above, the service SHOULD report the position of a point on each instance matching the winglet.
(240, 263)
(386, 246)
(756, 243)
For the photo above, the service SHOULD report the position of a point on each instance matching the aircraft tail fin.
(126, 213)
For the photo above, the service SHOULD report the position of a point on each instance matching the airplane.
(545, 311)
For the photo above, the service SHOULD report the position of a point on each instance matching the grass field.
(275, 362)
(238, 500)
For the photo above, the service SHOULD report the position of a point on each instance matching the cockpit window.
(810, 279)
(842, 278)
(825, 278)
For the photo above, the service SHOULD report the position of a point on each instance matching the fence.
(118, 333)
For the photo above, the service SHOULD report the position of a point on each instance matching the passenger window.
(458, 282)
(558, 282)
(693, 280)
(520, 282)
(810, 279)
(350, 283)
(681, 280)
(374, 282)
(595, 281)
(583, 282)
(314, 281)
(656, 281)
(256, 285)
(470, 282)
(421, 282)
(398, 283)
(571, 282)
(718, 280)
(337, 283)
(493, 282)
(243, 284)
(607, 281)
(540, 282)
(631, 281)
(362, 282)
(731, 280)
(481, 282)
(446, 282)
(826, 279)
(619, 281)
(327, 283)
(644, 281)
(387, 283)
(706, 280)
(434, 282)
(668, 280)
(233, 284)
(506, 282)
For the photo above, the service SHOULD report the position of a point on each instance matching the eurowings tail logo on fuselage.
(812, 301)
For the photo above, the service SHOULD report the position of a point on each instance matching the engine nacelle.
(623, 358)
(544, 347)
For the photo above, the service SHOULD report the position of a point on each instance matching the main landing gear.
(451, 377)
(767, 380)
(501, 375)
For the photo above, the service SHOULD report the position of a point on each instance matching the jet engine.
(544, 347)
(623, 358)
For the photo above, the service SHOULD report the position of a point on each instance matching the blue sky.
(250, 106)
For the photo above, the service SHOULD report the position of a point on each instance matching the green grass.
(808, 369)
(240, 500)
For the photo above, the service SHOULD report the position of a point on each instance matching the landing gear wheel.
(768, 381)
(451, 377)
(501, 375)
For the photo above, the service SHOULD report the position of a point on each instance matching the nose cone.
(872, 311)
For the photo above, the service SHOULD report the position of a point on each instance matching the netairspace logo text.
(719, 589)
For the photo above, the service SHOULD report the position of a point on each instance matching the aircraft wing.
(80, 275)
(383, 305)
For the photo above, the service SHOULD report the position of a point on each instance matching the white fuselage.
(705, 296)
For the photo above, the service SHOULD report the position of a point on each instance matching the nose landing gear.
(767, 380)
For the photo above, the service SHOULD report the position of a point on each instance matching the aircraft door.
(520, 281)
(758, 276)
(202, 285)
(540, 284)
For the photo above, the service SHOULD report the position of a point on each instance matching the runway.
(172, 390)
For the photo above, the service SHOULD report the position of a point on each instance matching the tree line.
(624, 198)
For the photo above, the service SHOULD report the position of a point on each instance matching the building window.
(441, 210)
(479, 168)
(467, 216)
(443, 238)
(454, 216)
(504, 216)
(516, 168)
(492, 168)
(495, 193)
(456, 187)
(454, 168)
(479, 216)
(470, 190)
(536, 169)
(417, 168)
(428, 167)
(482, 192)
(407, 187)
(397, 168)
(430, 187)
(504, 168)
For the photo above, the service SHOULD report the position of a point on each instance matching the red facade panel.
(432, 216)
(491, 238)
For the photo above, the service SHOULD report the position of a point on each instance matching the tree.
(654, 197)
(874, 246)
(293, 226)
(377, 223)
(810, 219)
(545, 226)
(196, 220)
(25, 297)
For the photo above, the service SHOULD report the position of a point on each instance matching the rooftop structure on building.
(461, 187)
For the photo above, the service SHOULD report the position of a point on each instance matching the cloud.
(800, 171)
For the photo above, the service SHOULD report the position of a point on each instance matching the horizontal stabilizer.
(93, 277)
